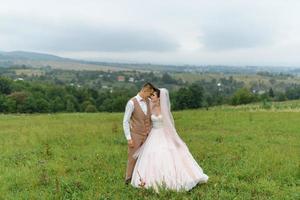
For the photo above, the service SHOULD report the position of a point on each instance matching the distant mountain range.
(33, 59)
(24, 55)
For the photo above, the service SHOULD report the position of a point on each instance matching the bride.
(164, 159)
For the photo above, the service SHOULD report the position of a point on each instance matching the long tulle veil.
(168, 122)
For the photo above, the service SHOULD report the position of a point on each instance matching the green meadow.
(247, 153)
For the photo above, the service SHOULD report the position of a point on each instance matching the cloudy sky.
(199, 32)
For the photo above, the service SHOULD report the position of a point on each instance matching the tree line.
(36, 97)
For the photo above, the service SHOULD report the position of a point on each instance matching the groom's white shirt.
(128, 111)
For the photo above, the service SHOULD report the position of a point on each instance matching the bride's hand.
(130, 143)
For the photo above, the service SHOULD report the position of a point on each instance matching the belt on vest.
(140, 134)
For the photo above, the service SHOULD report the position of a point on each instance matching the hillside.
(42, 60)
(34, 59)
(24, 55)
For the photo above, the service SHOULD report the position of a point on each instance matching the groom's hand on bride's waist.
(130, 143)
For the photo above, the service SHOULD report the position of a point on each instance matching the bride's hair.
(157, 91)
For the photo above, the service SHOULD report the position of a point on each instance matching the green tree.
(182, 99)
(57, 105)
(167, 78)
(3, 103)
(190, 97)
(196, 96)
(30, 105)
(5, 86)
(19, 98)
(271, 93)
(70, 106)
(107, 105)
(280, 96)
(242, 96)
(42, 106)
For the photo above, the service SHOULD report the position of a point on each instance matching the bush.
(266, 104)
(242, 96)
(280, 97)
(90, 108)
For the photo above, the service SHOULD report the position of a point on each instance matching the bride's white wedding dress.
(164, 160)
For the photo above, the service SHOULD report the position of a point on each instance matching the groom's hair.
(149, 86)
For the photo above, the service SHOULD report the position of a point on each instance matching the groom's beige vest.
(139, 122)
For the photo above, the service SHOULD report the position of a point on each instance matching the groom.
(137, 124)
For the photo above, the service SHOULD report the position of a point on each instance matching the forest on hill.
(26, 89)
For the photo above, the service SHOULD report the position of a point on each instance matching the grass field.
(246, 154)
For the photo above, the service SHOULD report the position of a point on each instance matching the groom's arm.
(126, 120)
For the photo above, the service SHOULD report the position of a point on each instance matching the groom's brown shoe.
(127, 181)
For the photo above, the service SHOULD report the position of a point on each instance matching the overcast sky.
(200, 32)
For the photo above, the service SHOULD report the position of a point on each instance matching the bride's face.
(154, 97)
